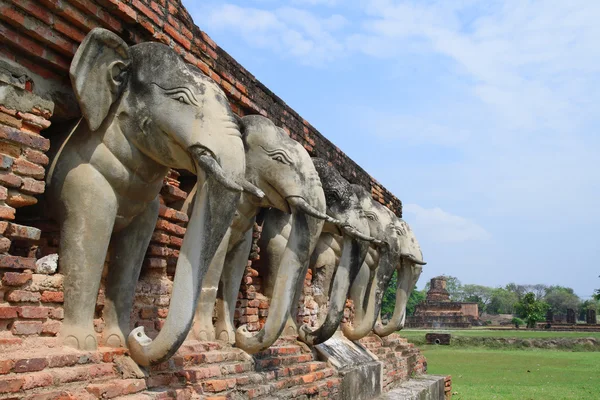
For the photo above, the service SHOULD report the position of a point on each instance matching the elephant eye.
(371, 216)
(279, 155)
(182, 98)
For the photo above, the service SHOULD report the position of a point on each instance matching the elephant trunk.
(362, 326)
(353, 256)
(212, 213)
(292, 269)
(405, 284)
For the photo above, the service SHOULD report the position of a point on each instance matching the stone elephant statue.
(409, 271)
(282, 169)
(338, 255)
(144, 111)
(378, 268)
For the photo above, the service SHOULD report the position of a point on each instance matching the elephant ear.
(99, 73)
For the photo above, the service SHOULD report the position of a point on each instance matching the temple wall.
(39, 38)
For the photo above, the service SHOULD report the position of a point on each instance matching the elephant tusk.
(412, 259)
(356, 234)
(209, 164)
(301, 204)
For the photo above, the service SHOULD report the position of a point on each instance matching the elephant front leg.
(129, 249)
(231, 279)
(87, 212)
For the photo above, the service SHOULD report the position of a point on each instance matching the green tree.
(477, 294)
(416, 297)
(389, 298)
(503, 301)
(531, 310)
(561, 298)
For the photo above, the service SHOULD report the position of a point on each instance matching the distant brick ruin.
(437, 311)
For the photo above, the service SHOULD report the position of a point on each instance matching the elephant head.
(344, 205)
(409, 270)
(284, 170)
(367, 290)
(144, 110)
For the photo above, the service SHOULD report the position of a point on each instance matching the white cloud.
(288, 31)
(439, 226)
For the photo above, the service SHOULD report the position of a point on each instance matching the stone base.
(39, 368)
(424, 387)
(359, 369)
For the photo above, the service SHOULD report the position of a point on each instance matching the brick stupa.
(437, 311)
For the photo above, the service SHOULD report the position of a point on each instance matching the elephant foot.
(202, 332)
(79, 338)
(226, 335)
(113, 338)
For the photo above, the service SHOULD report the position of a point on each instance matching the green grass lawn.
(481, 374)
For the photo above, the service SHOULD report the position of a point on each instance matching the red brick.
(16, 231)
(63, 360)
(38, 30)
(176, 241)
(179, 38)
(7, 212)
(16, 278)
(30, 365)
(32, 119)
(36, 157)
(52, 297)
(116, 388)
(208, 40)
(3, 193)
(10, 149)
(69, 30)
(172, 214)
(14, 262)
(16, 199)
(37, 379)
(27, 328)
(11, 384)
(6, 366)
(32, 186)
(10, 180)
(51, 327)
(159, 237)
(148, 12)
(148, 312)
(164, 225)
(56, 313)
(8, 312)
(33, 312)
(34, 141)
(22, 296)
(27, 168)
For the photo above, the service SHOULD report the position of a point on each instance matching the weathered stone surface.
(425, 387)
(47, 265)
(360, 370)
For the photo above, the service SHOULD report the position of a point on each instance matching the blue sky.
(482, 116)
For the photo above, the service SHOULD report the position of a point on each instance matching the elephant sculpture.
(144, 111)
(339, 255)
(409, 271)
(378, 268)
(282, 169)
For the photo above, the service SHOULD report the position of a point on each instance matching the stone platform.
(39, 368)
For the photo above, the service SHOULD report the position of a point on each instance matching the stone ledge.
(424, 387)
